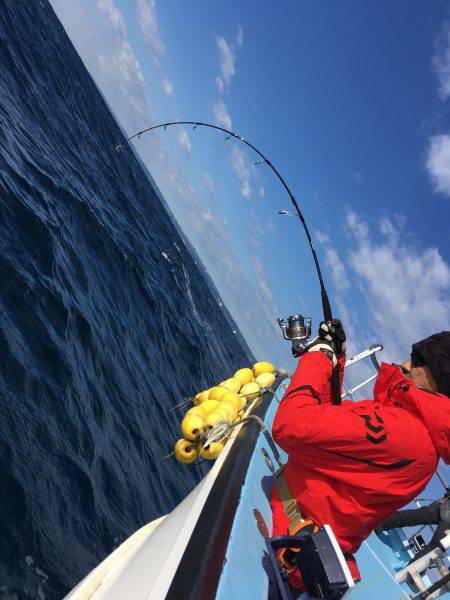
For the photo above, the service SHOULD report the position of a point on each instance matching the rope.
(282, 372)
(262, 390)
(223, 428)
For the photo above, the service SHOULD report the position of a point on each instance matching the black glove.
(333, 333)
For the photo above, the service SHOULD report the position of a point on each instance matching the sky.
(349, 100)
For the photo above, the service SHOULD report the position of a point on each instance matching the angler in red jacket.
(351, 466)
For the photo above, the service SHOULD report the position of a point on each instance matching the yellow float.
(249, 391)
(192, 426)
(197, 410)
(216, 393)
(209, 405)
(233, 384)
(233, 398)
(244, 375)
(201, 397)
(265, 379)
(185, 451)
(214, 417)
(262, 367)
(229, 409)
(212, 451)
(223, 402)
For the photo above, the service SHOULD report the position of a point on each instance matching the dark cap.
(435, 353)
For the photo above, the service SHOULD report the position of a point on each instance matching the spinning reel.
(296, 329)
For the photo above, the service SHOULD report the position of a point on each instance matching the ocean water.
(106, 321)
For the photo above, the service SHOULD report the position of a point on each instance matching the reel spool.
(296, 329)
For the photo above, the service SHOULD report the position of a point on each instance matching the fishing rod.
(327, 314)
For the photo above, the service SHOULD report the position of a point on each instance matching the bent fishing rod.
(327, 314)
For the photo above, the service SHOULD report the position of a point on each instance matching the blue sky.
(350, 100)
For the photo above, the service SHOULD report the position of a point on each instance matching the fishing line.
(279, 264)
(262, 159)
(228, 135)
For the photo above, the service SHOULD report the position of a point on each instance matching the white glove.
(320, 345)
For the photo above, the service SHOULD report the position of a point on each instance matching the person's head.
(429, 365)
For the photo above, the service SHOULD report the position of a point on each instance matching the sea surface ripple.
(106, 321)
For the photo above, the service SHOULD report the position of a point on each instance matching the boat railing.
(369, 353)
(413, 573)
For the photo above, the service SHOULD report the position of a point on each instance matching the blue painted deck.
(243, 576)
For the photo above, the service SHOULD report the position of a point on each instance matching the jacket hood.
(392, 388)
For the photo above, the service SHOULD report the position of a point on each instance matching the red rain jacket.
(351, 466)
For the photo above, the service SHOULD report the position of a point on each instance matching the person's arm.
(425, 515)
(305, 422)
(305, 413)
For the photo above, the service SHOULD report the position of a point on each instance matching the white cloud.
(255, 230)
(261, 192)
(406, 289)
(227, 68)
(441, 62)
(242, 166)
(209, 182)
(113, 15)
(358, 177)
(438, 163)
(148, 21)
(117, 73)
(221, 115)
(227, 54)
(220, 84)
(355, 226)
(337, 270)
(335, 265)
(110, 61)
(183, 140)
(264, 287)
(168, 87)
(322, 238)
(239, 36)
(244, 299)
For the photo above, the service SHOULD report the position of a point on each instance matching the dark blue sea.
(107, 320)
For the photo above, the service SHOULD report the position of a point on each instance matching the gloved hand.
(331, 340)
(324, 346)
(333, 333)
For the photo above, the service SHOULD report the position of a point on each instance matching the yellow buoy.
(250, 391)
(192, 426)
(197, 410)
(262, 367)
(224, 411)
(233, 384)
(216, 393)
(201, 397)
(185, 451)
(265, 379)
(244, 375)
(229, 408)
(214, 417)
(232, 397)
(212, 451)
(209, 405)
